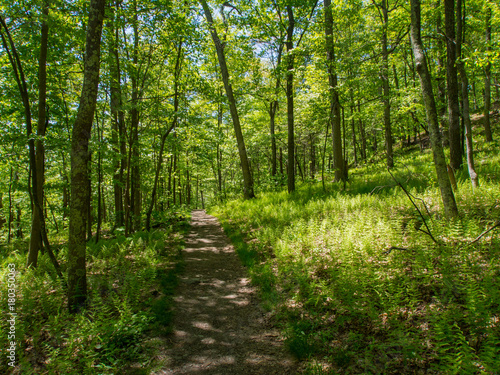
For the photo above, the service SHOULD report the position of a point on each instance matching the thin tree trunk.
(324, 157)
(134, 126)
(77, 273)
(487, 81)
(247, 177)
(450, 207)
(36, 228)
(362, 134)
(452, 83)
(441, 71)
(465, 100)
(15, 62)
(11, 213)
(65, 181)
(169, 186)
(165, 135)
(118, 140)
(289, 100)
(281, 161)
(385, 86)
(273, 107)
(89, 198)
(99, 180)
(188, 180)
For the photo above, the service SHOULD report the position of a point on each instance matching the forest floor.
(219, 327)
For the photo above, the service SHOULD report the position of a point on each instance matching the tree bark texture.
(450, 207)
(77, 277)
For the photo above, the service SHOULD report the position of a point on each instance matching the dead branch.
(388, 251)
(428, 232)
(376, 189)
(497, 224)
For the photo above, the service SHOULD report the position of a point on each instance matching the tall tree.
(487, 77)
(465, 98)
(77, 273)
(452, 85)
(118, 120)
(334, 116)
(36, 228)
(383, 8)
(289, 99)
(177, 71)
(15, 61)
(450, 206)
(135, 183)
(248, 191)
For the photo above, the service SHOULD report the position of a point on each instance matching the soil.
(219, 327)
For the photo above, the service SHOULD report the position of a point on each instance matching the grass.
(346, 303)
(131, 283)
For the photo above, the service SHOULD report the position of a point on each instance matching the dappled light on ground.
(219, 328)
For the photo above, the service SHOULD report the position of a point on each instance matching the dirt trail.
(218, 326)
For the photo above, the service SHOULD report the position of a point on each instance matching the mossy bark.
(450, 206)
(77, 277)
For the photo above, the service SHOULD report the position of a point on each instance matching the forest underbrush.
(131, 281)
(356, 285)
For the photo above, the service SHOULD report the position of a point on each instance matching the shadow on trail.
(218, 327)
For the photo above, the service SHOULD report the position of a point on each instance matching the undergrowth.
(358, 288)
(131, 282)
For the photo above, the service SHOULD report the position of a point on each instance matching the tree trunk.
(450, 207)
(281, 161)
(452, 83)
(135, 183)
(99, 179)
(11, 213)
(272, 114)
(289, 100)
(117, 128)
(165, 135)
(334, 116)
(487, 80)
(17, 68)
(188, 180)
(169, 185)
(273, 107)
(219, 153)
(465, 100)
(362, 134)
(385, 86)
(245, 168)
(77, 277)
(65, 182)
(441, 86)
(36, 227)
